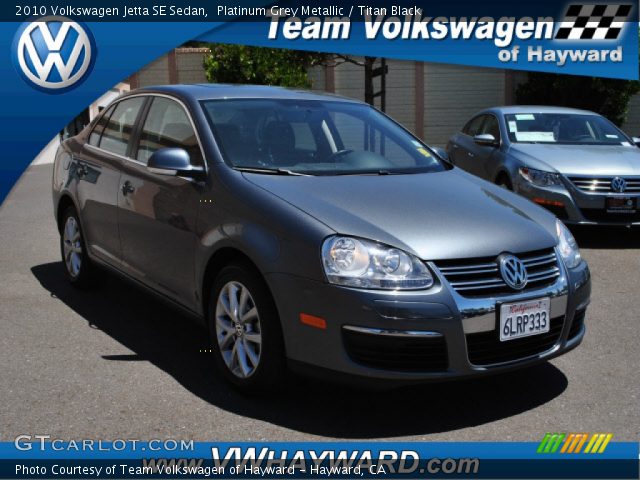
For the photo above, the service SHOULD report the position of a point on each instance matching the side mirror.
(486, 140)
(173, 162)
(442, 153)
(636, 140)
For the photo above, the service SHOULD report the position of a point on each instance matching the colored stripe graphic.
(551, 442)
(573, 442)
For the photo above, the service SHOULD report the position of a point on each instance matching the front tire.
(78, 267)
(505, 182)
(244, 329)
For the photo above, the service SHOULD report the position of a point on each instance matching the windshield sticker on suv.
(525, 116)
(513, 126)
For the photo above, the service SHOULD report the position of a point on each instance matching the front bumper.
(388, 322)
(577, 207)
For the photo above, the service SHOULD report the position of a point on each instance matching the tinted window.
(315, 137)
(96, 133)
(563, 128)
(168, 126)
(117, 132)
(473, 126)
(491, 127)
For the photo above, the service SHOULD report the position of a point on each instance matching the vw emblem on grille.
(513, 271)
(618, 185)
(54, 54)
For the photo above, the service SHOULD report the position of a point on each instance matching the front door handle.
(81, 170)
(127, 188)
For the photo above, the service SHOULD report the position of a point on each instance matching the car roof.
(538, 109)
(213, 91)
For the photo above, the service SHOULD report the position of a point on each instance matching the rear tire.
(244, 329)
(80, 271)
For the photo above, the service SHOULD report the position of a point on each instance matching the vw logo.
(618, 185)
(54, 54)
(513, 271)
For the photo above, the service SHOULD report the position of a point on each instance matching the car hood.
(580, 159)
(435, 216)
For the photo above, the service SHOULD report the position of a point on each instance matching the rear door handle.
(471, 154)
(127, 188)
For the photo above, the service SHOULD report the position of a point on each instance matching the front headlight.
(356, 262)
(567, 245)
(540, 178)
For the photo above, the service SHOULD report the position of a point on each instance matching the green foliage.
(608, 97)
(259, 65)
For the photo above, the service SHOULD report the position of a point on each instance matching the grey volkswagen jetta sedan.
(575, 163)
(312, 232)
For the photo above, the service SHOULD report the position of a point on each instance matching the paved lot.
(116, 362)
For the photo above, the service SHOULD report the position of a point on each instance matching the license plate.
(620, 205)
(524, 319)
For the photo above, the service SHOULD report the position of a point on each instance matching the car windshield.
(563, 128)
(314, 138)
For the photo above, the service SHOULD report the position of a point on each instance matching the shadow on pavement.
(606, 237)
(172, 342)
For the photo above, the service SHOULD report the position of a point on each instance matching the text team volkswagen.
(311, 230)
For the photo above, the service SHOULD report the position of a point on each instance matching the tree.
(286, 68)
(260, 65)
(608, 97)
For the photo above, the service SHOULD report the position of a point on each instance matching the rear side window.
(472, 128)
(117, 133)
(167, 126)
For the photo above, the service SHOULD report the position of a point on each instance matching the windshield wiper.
(372, 172)
(271, 171)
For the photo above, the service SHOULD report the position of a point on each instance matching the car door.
(157, 213)
(98, 173)
(483, 158)
(462, 147)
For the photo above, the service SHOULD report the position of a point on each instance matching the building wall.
(453, 93)
(181, 65)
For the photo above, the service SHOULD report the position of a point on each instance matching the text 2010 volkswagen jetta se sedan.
(310, 230)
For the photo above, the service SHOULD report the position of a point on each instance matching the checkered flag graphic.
(593, 22)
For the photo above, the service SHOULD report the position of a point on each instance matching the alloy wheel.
(72, 246)
(238, 332)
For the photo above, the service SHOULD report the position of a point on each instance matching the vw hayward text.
(252, 461)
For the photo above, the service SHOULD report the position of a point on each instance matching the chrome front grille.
(603, 184)
(480, 277)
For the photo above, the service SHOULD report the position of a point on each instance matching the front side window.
(472, 128)
(563, 128)
(491, 127)
(117, 132)
(315, 137)
(167, 126)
